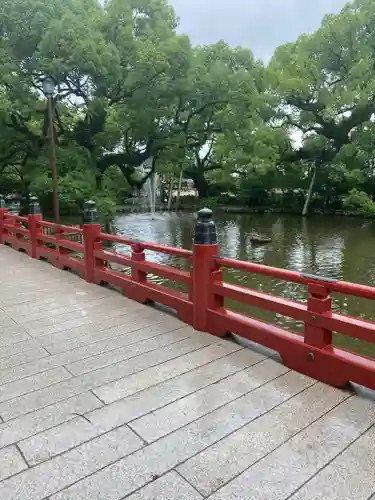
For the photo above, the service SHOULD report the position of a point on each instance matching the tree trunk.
(310, 193)
(179, 189)
(99, 180)
(170, 193)
(200, 182)
(25, 199)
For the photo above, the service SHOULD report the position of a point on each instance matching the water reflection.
(335, 247)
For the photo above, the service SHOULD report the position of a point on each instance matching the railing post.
(33, 219)
(134, 292)
(3, 211)
(91, 232)
(138, 255)
(205, 247)
(319, 302)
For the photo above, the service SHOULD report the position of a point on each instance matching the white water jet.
(151, 190)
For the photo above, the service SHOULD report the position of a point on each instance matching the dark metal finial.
(14, 208)
(90, 213)
(205, 229)
(34, 207)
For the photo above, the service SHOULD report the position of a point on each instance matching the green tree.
(115, 68)
(325, 85)
(220, 97)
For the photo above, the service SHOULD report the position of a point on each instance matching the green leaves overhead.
(325, 81)
(128, 85)
(129, 88)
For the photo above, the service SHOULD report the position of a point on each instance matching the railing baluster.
(91, 239)
(3, 212)
(205, 248)
(319, 302)
(34, 218)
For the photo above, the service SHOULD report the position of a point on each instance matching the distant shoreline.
(240, 209)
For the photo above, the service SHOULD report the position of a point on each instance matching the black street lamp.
(49, 89)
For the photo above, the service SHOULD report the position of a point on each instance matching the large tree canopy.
(325, 89)
(115, 69)
(129, 88)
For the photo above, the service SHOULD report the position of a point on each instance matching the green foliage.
(106, 205)
(130, 88)
(115, 185)
(359, 200)
(324, 88)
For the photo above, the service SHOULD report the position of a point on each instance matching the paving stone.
(77, 318)
(33, 383)
(116, 326)
(127, 475)
(129, 351)
(283, 471)
(114, 347)
(134, 330)
(59, 327)
(24, 298)
(69, 299)
(217, 465)
(59, 472)
(19, 347)
(350, 476)
(141, 403)
(95, 307)
(23, 357)
(45, 397)
(87, 351)
(167, 488)
(11, 462)
(6, 320)
(261, 445)
(169, 369)
(13, 335)
(47, 444)
(27, 369)
(165, 420)
(46, 418)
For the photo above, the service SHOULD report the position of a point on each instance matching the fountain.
(151, 190)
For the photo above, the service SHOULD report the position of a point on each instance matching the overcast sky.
(261, 25)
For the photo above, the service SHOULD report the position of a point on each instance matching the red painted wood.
(341, 323)
(331, 365)
(203, 277)
(176, 252)
(34, 228)
(114, 257)
(3, 215)
(74, 246)
(91, 236)
(203, 306)
(343, 287)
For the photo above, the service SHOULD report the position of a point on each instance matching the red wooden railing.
(203, 305)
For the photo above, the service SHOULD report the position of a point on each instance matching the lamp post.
(49, 89)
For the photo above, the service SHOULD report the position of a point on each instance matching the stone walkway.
(104, 398)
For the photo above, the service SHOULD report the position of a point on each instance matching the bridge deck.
(104, 398)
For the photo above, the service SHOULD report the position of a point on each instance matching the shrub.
(359, 200)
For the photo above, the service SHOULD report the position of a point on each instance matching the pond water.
(334, 247)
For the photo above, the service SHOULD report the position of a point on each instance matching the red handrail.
(177, 252)
(358, 290)
(202, 304)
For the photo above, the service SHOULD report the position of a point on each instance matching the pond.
(334, 247)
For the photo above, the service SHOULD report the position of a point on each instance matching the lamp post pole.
(56, 207)
(49, 87)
